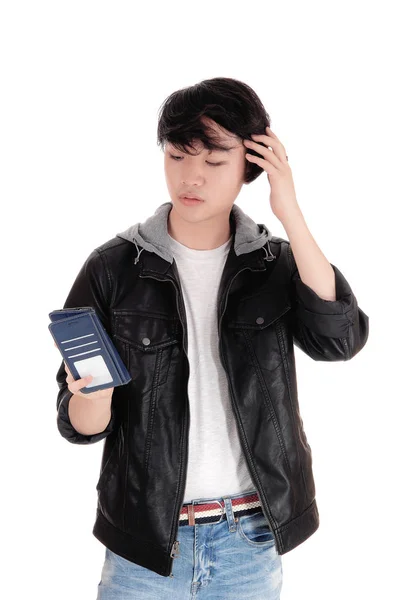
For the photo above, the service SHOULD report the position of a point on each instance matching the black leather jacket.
(264, 309)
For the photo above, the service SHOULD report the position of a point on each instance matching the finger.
(274, 142)
(270, 156)
(79, 384)
(270, 132)
(264, 164)
(266, 139)
(69, 377)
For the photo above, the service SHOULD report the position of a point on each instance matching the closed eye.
(212, 164)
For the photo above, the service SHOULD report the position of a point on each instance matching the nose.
(192, 181)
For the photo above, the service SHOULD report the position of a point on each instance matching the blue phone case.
(87, 349)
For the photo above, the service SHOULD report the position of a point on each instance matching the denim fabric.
(227, 560)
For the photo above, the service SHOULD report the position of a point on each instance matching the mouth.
(190, 200)
(190, 196)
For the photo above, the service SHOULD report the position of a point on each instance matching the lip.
(190, 201)
(190, 196)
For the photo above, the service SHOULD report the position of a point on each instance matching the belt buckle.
(191, 510)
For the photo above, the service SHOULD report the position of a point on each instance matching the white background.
(82, 83)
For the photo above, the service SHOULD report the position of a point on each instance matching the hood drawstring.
(138, 250)
(269, 254)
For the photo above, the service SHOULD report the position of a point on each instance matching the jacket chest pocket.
(146, 343)
(258, 312)
(253, 322)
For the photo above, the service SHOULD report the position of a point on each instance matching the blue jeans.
(226, 560)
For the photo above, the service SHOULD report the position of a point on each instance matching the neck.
(205, 235)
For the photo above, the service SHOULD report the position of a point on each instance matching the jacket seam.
(108, 276)
(126, 450)
(251, 459)
(111, 454)
(267, 399)
(152, 410)
(290, 395)
(345, 343)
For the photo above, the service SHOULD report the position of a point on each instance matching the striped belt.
(213, 511)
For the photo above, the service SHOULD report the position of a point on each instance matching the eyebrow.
(222, 149)
(225, 150)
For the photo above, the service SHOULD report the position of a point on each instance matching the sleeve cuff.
(331, 318)
(68, 431)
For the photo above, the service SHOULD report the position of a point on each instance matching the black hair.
(232, 104)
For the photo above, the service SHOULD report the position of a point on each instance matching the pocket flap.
(259, 311)
(146, 332)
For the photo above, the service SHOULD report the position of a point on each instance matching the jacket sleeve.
(90, 288)
(326, 329)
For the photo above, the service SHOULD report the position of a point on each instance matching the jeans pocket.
(125, 568)
(255, 530)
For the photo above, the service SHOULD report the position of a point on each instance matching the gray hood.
(152, 234)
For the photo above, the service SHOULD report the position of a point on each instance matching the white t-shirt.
(216, 463)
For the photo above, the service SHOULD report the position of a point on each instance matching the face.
(214, 176)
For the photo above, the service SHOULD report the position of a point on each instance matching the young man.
(206, 475)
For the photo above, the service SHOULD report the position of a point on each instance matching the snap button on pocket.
(146, 341)
(259, 320)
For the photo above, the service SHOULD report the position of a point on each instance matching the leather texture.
(264, 310)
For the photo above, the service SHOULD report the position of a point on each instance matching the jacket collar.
(152, 235)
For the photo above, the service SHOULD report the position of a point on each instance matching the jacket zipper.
(249, 462)
(174, 553)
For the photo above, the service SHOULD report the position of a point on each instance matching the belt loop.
(191, 514)
(229, 514)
